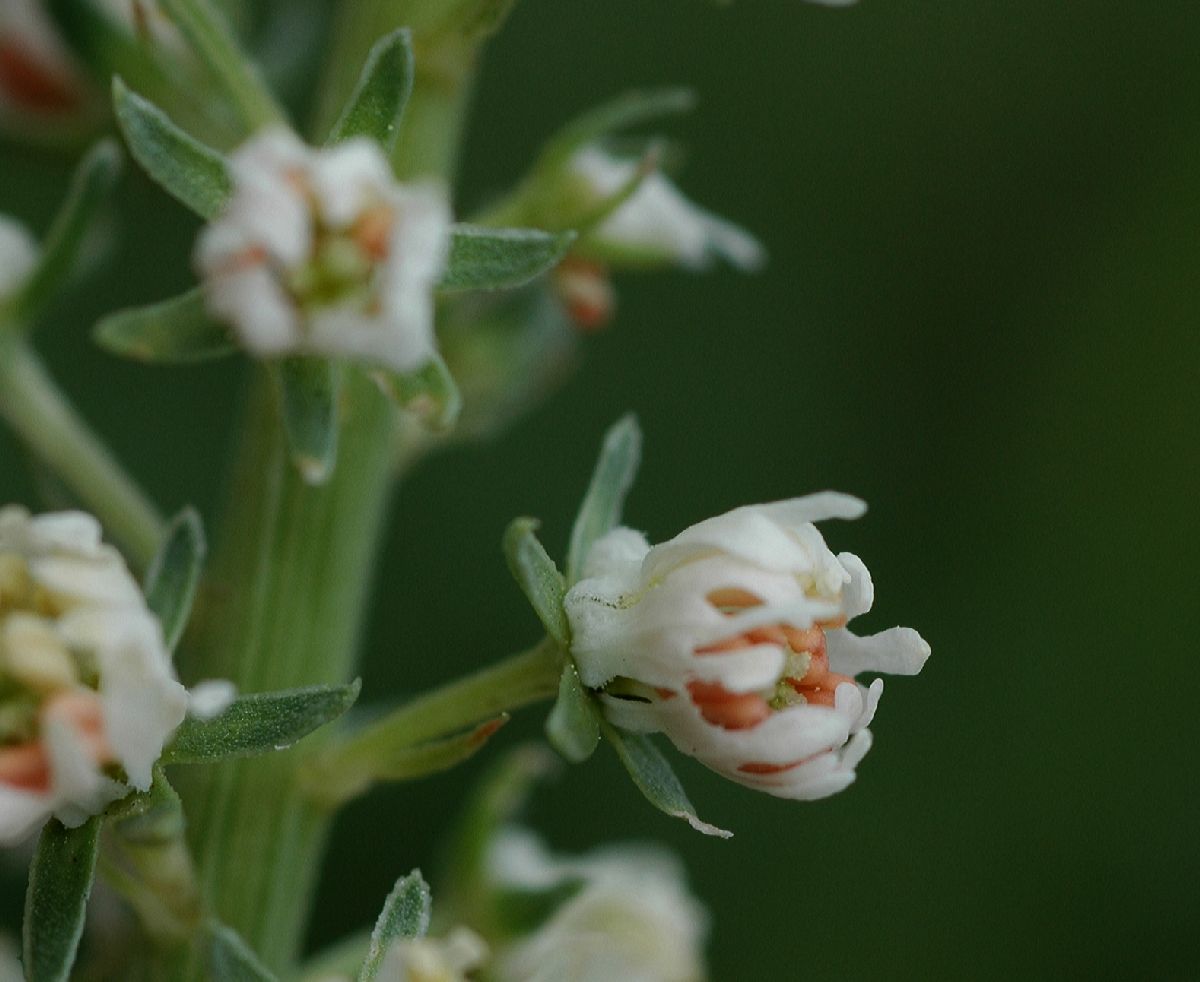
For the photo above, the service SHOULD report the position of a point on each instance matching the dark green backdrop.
(980, 315)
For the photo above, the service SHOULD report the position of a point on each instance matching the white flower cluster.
(632, 918)
(18, 255)
(731, 640)
(88, 697)
(321, 251)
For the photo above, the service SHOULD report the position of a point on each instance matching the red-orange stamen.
(728, 710)
(30, 84)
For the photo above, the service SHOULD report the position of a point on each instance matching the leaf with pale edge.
(259, 724)
(600, 512)
(308, 390)
(571, 727)
(188, 170)
(174, 574)
(60, 882)
(66, 241)
(376, 107)
(655, 779)
(405, 914)
(230, 958)
(538, 577)
(500, 258)
(177, 331)
(430, 393)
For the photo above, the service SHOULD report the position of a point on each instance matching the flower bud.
(631, 917)
(323, 252)
(18, 255)
(88, 697)
(731, 639)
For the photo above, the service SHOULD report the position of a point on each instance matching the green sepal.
(484, 258)
(342, 777)
(572, 727)
(69, 234)
(147, 817)
(629, 109)
(655, 779)
(309, 390)
(230, 959)
(174, 574)
(188, 170)
(259, 724)
(60, 882)
(600, 512)
(376, 107)
(178, 331)
(405, 914)
(538, 577)
(430, 393)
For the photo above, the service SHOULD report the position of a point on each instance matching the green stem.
(43, 418)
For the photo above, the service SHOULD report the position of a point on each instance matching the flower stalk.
(41, 415)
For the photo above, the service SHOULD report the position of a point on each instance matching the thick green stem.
(49, 425)
(289, 583)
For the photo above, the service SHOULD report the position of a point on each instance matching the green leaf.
(212, 39)
(655, 779)
(430, 393)
(174, 574)
(192, 173)
(309, 389)
(500, 258)
(230, 958)
(626, 110)
(601, 509)
(259, 724)
(65, 242)
(335, 780)
(405, 914)
(537, 576)
(376, 106)
(60, 882)
(177, 331)
(571, 727)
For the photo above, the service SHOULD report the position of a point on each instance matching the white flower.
(658, 221)
(88, 697)
(322, 252)
(447, 959)
(731, 639)
(632, 918)
(18, 255)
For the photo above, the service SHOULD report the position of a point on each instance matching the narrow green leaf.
(309, 389)
(500, 258)
(376, 107)
(65, 242)
(259, 724)
(430, 393)
(627, 110)
(192, 173)
(571, 727)
(174, 574)
(214, 43)
(177, 331)
(230, 958)
(405, 914)
(655, 779)
(601, 509)
(340, 777)
(60, 882)
(537, 576)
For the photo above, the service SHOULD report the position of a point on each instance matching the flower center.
(806, 677)
(341, 268)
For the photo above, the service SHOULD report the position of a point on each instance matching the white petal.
(251, 300)
(210, 698)
(859, 592)
(79, 790)
(348, 178)
(21, 812)
(620, 549)
(896, 651)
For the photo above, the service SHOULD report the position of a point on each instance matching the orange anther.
(728, 710)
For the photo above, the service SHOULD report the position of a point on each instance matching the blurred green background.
(981, 316)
